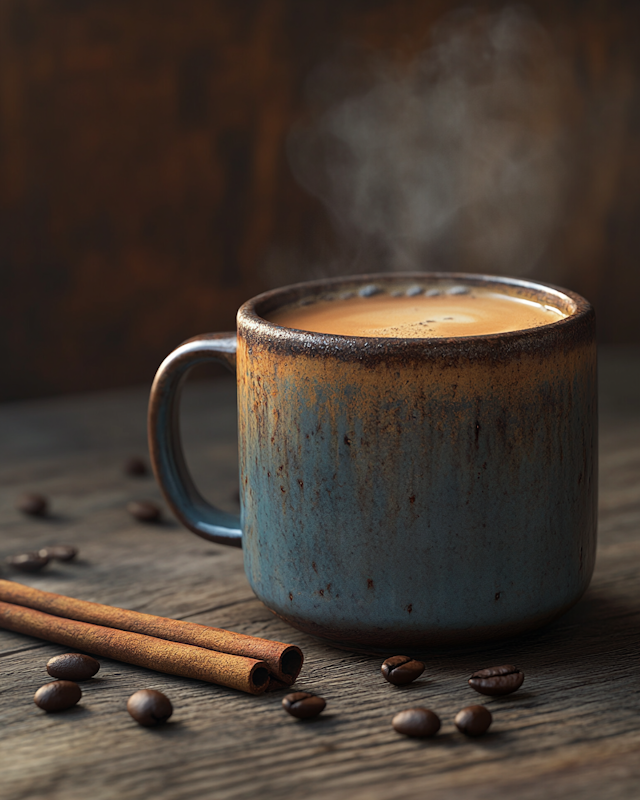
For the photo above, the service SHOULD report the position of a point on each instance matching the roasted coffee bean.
(401, 669)
(57, 695)
(416, 722)
(473, 720)
(149, 707)
(59, 552)
(495, 681)
(28, 562)
(144, 511)
(72, 667)
(135, 466)
(303, 705)
(34, 504)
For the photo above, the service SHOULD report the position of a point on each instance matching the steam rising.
(455, 160)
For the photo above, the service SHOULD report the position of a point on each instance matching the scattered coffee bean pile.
(472, 720)
(422, 722)
(35, 504)
(147, 706)
(34, 562)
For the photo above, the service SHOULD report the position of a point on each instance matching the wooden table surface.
(572, 731)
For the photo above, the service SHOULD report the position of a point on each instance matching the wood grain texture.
(572, 731)
(144, 185)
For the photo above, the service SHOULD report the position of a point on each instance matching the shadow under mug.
(402, 493)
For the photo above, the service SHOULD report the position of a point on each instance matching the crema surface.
(473, 312)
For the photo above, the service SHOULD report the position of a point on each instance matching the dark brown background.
(145, 191)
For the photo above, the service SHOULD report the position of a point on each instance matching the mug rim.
(251, 319)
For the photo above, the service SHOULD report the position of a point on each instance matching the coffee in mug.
(448, 311)
(418, 459)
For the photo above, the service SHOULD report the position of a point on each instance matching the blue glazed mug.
(402, 493)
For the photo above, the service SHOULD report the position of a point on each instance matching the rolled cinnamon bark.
(247, 674)
(284, 660)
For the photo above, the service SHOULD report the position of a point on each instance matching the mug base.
(385, 642)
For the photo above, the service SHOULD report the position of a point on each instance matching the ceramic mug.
(402, 493)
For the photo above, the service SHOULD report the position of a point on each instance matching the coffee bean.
(72, 667)
(473, 720)
(303, 705)
(149, 707)
(401, 669)
(59, 552)
(57, 695)
(135, 466)
(33, 504)
(416, 722)
(28, 562)
(144, 511)
(495, 681)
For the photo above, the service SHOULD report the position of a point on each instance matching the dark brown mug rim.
(251, 317)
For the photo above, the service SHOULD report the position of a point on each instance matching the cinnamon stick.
(284, 660)
(174, 658)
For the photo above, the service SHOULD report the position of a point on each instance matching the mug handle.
(165, 445)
